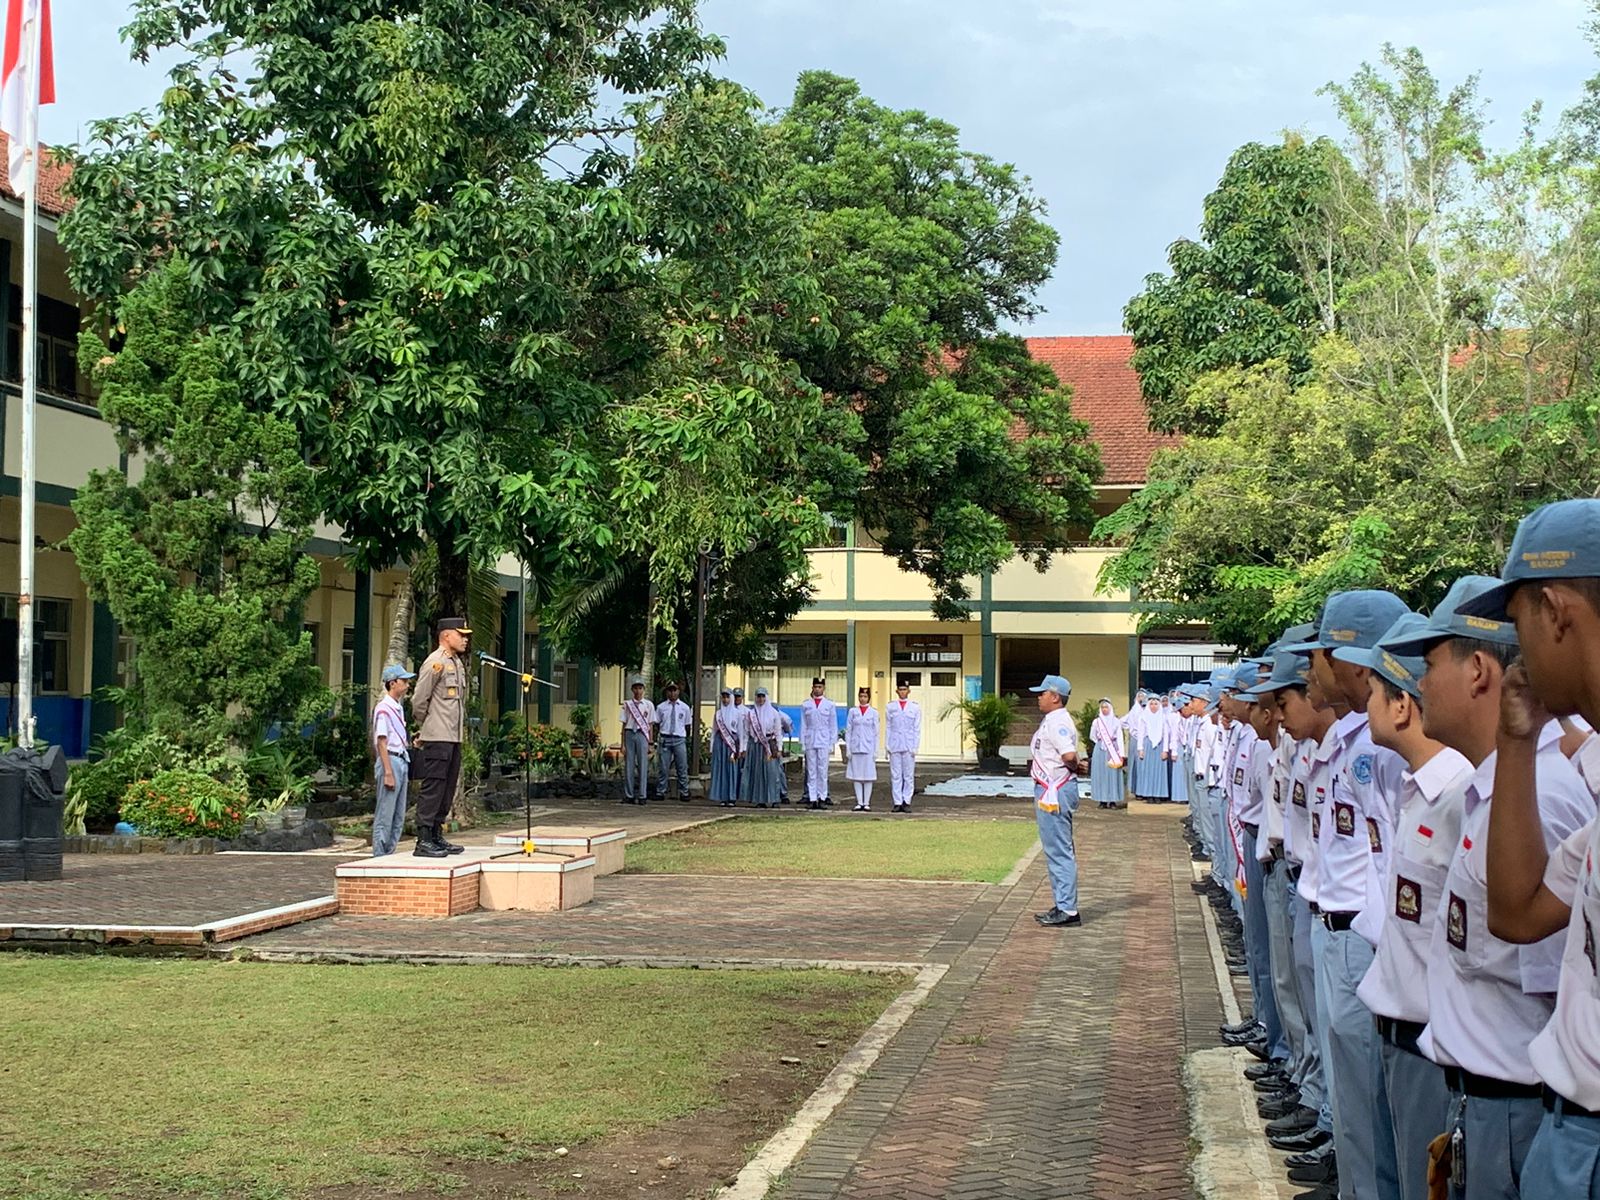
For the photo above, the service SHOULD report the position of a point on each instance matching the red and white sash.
(641, 723)
(726, 734)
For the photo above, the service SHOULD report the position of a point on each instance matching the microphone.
(483, 656)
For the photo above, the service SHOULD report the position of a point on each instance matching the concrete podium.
(605, 843)
(403, 885)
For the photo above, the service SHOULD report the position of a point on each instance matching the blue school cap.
(1288, 670)
(1449, 621)
(1355, 621)
(1558, 541)
(1396, 656)
(1055, 683)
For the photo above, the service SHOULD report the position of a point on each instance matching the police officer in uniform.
(439, 704)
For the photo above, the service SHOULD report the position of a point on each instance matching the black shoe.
(440, 840)
(427, 846)
(813, 805)
(827, 802)
(1281, 1104)
(1238, 972)
(1309, 1158)
(1254, 1034)
(1244, 1026)
(1047, 914)
(1256, 1071)
(1306, 1139)
(1323, 1191)
(1271, 1082)
(1259, 1049)
(1297, 1121)
(1060, 918)
(1326, 1171)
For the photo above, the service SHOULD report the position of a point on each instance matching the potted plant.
(988, 719)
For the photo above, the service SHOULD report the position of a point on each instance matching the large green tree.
(940, 436)
(1260, 283)
(200, 558)
(447, 240)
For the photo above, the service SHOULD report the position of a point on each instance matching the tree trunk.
(452, 582)
(399, 649)
(647, 668)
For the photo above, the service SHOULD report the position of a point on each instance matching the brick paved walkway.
(1047, 1063)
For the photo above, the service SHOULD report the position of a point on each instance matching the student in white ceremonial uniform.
(1055, 798)
(760, 753)
(861, 744)
(637, 733)
(1427, 826)
(819, 733)
(1551, 590)
(1488, 998)
(902, 740)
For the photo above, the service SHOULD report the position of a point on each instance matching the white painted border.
(570, 864)
(783, 1147)
(283, 910)
(437, 874)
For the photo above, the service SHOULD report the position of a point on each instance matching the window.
(57, 344)
(837, 533)
(922, 649)
(52, 642)
(347, 656)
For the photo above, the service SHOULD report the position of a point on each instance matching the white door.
(936, 691)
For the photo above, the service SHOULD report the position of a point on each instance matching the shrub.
(988, 719)
(95, 789)
(182, 804)
(547, 749)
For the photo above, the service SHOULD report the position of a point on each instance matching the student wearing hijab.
(1150, 771)
(725, 751)
(1107, 777)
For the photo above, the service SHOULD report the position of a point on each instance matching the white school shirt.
(819, 723)
(761, 730)
(861, 730)
(1258, 787)
(727, 724)
(1566, 1054)
(1208, 753)
(1319, 782)
(1297, 802)
(1357, 825)
(1057, 736)
(902, 727)
(1488, 998)
(1236, 787)
(1277, 794)
(638, 714)
(389, 723)
(672, 718)
(1432, 804)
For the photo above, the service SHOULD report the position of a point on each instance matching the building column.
(850, 660)
(547, 662)
(102, 671)
(6, 365)
(991, 657)
(361, 657)
(1133, 667)
(510, 650)
(588, 684)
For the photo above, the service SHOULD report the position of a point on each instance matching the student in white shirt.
(861, 744)
(1053, 765)
(902, 740)
(391, 749)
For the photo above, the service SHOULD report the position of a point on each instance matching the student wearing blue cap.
(391, 748)
(1427, 826)
(1055, 797)
(1550, 587)
(1353, 847)
(1487, 997)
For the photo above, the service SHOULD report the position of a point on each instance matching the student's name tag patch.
(1408, 900)
(1455, 923)
(1299, 795)
(1344, 819)
(1238, 777)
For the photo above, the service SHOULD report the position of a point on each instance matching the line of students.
(1159, 734)
(1407, 839)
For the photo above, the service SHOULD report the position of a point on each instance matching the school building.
(869, 624)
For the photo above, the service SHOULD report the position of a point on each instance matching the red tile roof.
(52, 180)
(1105, 393)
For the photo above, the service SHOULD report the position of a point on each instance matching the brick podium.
(403, 885)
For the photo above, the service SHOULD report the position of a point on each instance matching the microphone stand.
(526, 681)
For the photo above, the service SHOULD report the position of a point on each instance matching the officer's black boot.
(427, 846)
(439, 840)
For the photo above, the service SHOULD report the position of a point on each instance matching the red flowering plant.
(183, 804)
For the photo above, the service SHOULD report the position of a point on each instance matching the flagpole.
(30, 344)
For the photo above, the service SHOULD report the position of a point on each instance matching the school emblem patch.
(1408, 900)
(1455, 923)
(1362, 769)
(1344, 820)
(1299, 795)
(1374, 836)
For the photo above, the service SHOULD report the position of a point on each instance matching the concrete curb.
(1233, 1162)
(1023, 863)
(334, 955)
(781, 1150)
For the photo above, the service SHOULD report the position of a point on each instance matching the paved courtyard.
(1044, 1063)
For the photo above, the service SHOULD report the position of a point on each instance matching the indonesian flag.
(22, 81)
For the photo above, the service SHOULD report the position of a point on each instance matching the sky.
(1122, 112)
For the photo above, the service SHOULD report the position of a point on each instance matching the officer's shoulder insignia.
(1362, 768)
(437, 667)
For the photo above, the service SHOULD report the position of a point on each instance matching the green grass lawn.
(847, 847)
(135, 1077)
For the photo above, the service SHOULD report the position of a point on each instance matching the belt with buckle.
(1338, 921)
(1484, 1087)
(1403, 1035)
